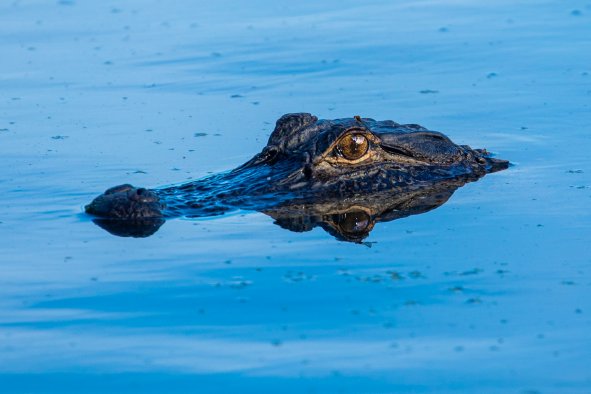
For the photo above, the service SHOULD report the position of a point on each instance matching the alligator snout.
(126, 202)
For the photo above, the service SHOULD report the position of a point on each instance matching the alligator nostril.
(140, 194)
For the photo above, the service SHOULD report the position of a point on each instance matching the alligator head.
(352, 156)
(307, 161)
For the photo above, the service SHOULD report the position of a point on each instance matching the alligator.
(343, 175)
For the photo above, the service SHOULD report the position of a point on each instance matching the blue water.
(490, 293)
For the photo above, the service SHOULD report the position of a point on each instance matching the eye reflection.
(353, 146)
(353, 222)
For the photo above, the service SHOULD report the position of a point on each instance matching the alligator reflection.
(350, 219)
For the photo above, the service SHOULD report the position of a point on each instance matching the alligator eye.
(353, 146)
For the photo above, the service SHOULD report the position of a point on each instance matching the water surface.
(488, 293)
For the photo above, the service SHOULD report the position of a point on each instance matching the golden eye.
(353, 146)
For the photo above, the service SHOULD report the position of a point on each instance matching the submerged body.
(310, 162)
